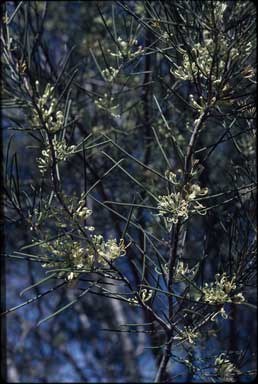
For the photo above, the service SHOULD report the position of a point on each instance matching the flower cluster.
(196, 191)
(174, 177)
(182, 270)
(248, 72)
(145, 295)
(35, 218)
(62, 152)
(174, 205)
(52, 119)
(199, 62)
(107, 104)
(225, 369)
(202, 63)
(71, 258)
(110, 73)
(201, 104)
(188, 334)
(80, 211)
(105, 252)
(222, 290)
(167, 36)
(127, 49)
(219, 9)
(222, 312)
(247, 144)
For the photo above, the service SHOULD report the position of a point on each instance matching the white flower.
(127, 49)
(187, 334)
(62, 152)
(174, 205)
(110, 73)
(106, 251)
(145, 295)
(47, 103)
(225, 369)
(221, 291)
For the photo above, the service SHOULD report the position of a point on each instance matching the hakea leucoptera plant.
(178, 205)
(215, 56)
(225, 369)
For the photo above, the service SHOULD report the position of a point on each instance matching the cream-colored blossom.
(173, 206)
(106, 102)
(110, 73)
(81, 212)
(67, 254)
(182, 271)
(222, 290)
(173, 177)
(199, 63)
(51, 118)
(61, 149)
(188, 334)
(75, 257)
(105, 252)
(127, 49)
(196, 191)
(222, 312)
(225, 369)
(145, 295)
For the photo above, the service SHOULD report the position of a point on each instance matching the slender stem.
(174, 240)
(163, 364)
(197, 126)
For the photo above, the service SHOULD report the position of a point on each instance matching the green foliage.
(138, 121)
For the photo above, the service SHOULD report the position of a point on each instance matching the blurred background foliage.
(135, 99)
